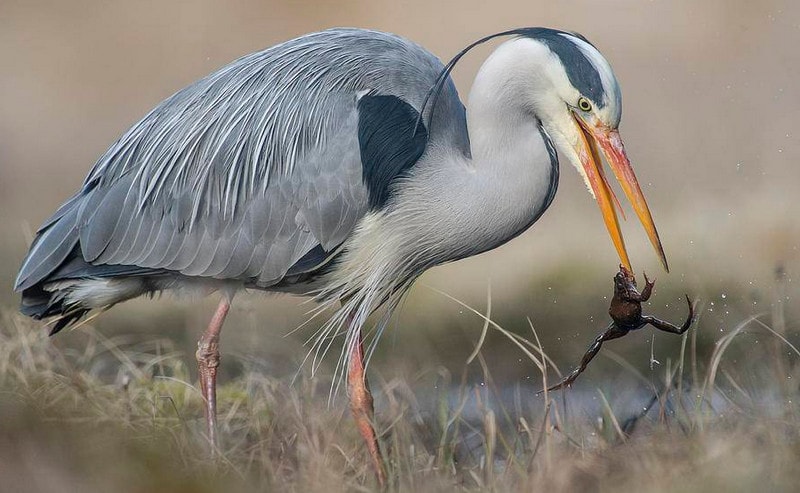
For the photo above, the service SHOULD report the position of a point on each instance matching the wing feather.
(100, 219)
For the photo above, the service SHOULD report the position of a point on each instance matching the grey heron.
(340, 165)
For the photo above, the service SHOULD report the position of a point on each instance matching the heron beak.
(607, 139)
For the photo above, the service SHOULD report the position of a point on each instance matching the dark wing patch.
(389, 145)
(312, 260)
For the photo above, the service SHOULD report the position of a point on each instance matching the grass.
(122, 416)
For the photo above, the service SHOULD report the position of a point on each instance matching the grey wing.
(218, 214)
(245, 172)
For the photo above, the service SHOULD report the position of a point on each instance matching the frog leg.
(612, 332)
(668, 327)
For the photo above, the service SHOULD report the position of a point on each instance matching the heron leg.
(207, 363)
(362, 407)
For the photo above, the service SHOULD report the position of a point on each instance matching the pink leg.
(362, 408)
(207, 362)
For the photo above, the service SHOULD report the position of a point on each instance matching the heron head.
(576, 96)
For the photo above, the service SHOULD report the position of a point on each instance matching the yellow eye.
(584, 104)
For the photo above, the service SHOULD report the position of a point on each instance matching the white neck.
(513, 168)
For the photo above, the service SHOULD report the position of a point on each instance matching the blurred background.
(710, 107)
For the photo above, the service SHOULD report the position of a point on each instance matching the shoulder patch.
(389, 146)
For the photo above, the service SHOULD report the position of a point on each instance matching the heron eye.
(584, 104)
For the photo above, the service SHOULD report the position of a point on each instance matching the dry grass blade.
(778, 335)
(719, 350)
(609, 413)
(514, 338)
(485, 329)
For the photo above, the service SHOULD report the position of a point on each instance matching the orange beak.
(611, 144)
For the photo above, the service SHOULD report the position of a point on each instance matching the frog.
(626, 316)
